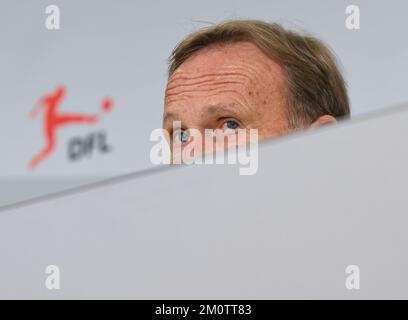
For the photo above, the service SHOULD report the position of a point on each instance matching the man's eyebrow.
(223, 109)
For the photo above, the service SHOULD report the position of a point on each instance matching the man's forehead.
(217, 59)
(238, 72)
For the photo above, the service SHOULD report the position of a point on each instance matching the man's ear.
(323, 120)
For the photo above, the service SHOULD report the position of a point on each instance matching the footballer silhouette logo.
(53, 120)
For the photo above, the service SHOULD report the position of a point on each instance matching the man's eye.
(230, 124)
(182, 136)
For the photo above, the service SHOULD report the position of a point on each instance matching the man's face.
(228, 87)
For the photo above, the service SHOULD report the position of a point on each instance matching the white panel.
(319, 202)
